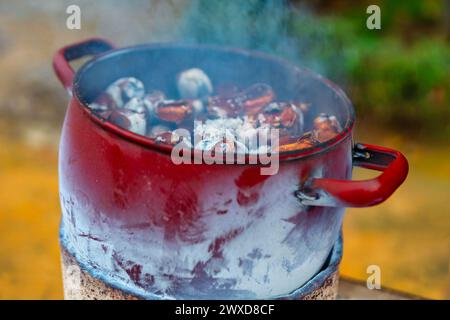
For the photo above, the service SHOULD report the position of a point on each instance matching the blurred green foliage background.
(399, 75)
(396, 76)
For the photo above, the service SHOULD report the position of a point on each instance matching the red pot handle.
(63, 57)
(364, 193)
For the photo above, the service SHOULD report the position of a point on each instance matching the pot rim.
(166, 149)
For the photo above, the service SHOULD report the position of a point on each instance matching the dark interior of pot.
(158, 65)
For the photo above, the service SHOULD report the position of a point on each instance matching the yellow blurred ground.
(408, 236)
(29, 217)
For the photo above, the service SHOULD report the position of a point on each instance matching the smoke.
(274, 26)
(278, 27)
(271, 26)
(251, 24)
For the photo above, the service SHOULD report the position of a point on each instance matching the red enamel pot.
(137, 221)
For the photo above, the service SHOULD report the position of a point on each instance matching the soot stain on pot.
(220, 208)
(204, 271)
(216, 247)
(247, 263)
(314, 220)
(68, 204)
(183, 215)
(307, 223)
(133, 270)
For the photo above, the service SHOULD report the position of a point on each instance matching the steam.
(251, 24)
(273, 26)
